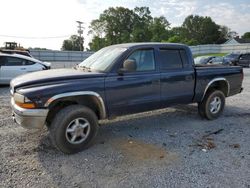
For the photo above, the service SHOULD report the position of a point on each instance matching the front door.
(134, 91)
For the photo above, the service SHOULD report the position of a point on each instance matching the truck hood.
(55, 75)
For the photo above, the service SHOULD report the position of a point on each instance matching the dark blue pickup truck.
(118, 80)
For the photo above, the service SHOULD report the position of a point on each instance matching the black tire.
(64, 120)
(204, 108)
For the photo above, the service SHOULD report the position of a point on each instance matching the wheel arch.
(87, 98)
(220, 84)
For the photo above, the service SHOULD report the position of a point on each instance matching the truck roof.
(155, 44)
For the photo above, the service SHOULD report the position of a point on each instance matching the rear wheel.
(73, 129)
(212, 105)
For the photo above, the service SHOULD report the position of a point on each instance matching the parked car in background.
(203, 60)
(12, 65)
(244, 60)
(220, 61)
(241, 59)
(231, 58)
(217, 61)
(20, 52)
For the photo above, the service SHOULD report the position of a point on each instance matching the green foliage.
(159, 29)
(123, 25)
(202, 29)
(74, 43)
(216, 54)
(97, 43)
(141, 19)
(246, 35)
(175, 39)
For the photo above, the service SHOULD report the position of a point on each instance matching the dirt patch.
(136, 150)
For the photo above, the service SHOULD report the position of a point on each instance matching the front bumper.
(29, 118)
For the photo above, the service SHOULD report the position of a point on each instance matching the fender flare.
(80, 93)
(213, 81)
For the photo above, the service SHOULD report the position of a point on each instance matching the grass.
(216, 54)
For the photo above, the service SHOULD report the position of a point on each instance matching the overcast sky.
(32, 21)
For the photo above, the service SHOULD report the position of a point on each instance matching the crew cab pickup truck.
(118, 80)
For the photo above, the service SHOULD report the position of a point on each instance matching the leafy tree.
(97, 43)
(141, 25)
(122, 25)
(224, 32)
(246, 35)
(175, 39)
(117, 23)
(159, 28)
(74, 43)
(202, 29)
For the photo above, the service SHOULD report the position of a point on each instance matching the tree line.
(122, 25)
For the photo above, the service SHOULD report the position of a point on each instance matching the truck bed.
(207, 73)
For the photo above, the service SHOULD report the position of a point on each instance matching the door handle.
(23, 68)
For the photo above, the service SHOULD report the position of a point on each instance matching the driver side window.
(144, 59)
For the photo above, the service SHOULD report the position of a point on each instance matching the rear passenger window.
(12, 61)
(171, 59)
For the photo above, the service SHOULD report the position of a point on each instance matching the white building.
(237, 40)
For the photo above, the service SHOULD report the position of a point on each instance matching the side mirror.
(129, 65)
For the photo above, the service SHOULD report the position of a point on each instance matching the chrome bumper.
(29, 118)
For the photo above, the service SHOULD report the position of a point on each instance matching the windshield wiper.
(85, 68)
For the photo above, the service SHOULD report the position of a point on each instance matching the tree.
(73, 43)
(97, 43)
(122, 25)
(117, 24)
(202, 29)
(224, 32)
(159, 29)
(246, 35)
(232, 34)
(141, 25)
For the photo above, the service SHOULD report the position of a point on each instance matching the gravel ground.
(167, 148)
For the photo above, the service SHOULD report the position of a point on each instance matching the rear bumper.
(29, 118)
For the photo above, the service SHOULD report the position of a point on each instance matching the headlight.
(23, 101)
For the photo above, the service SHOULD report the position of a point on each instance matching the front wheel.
(212, 105)
(73, 129)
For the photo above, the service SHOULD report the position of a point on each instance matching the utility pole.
(80, 32)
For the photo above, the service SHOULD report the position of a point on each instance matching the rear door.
(177, 77)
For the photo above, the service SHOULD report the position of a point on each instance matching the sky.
(46, 23)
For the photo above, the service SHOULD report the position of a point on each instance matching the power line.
(23, 37)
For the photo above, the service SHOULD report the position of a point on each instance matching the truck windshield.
(101, 60)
